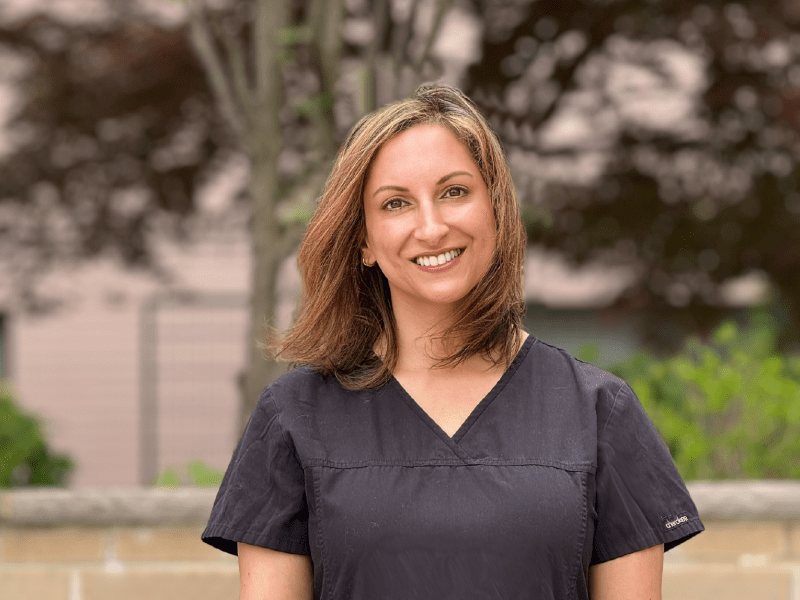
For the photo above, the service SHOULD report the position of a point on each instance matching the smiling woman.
(428, 447)
(348, 307)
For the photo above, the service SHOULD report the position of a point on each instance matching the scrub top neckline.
(453, 442)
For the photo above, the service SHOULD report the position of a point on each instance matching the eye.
(394, 204)
(455, 192)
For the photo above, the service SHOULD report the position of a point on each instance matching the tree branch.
(237, 63)
(326, 40)
(272, 16)
(441, 9)
(400, 38)
(203, 43)
(369, 99)
(290, 238)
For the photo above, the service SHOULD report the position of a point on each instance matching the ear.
(367, 256)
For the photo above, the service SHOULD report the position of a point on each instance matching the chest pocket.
(465, 531)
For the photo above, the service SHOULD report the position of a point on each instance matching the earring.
(365, 263)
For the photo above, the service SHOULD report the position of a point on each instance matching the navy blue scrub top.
(556, 469)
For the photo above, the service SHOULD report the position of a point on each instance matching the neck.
(419, 335)
(420, 344)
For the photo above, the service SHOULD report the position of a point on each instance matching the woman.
(430, 448)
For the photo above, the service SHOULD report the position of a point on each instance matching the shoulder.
(297, 379)
(611, 399)
(315, 414)
(299, 385)
(558, 369)
(304, 398)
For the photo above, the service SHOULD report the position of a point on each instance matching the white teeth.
(434, 261)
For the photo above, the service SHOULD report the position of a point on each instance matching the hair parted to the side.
(346, 307)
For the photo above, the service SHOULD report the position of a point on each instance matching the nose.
(431, 226)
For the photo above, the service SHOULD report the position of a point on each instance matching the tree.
(290, 78)
(659, 133)
(114, 130)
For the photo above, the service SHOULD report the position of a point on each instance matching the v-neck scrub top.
(556, 469)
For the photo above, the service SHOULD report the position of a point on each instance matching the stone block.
(219, 583)
(140, 506)
(755, 500)
(53, 545)
(730, 540)
(164, 544)
(794, 540)
(40, 584)
(702, 582)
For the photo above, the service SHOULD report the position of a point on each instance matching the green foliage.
(195, 473)
(590, 353)
(24, 456)
(727, 408)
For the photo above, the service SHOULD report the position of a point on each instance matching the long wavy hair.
(346, 307)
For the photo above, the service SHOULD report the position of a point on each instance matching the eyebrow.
(397, 188)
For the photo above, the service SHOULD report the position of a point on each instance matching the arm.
(635, 576)
(266, 574)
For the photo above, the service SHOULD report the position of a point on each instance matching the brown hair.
(346, 306)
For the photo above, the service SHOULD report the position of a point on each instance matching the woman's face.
(429, 219)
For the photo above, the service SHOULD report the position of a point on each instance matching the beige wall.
(747, 560)
(135, 544)
(79, 371)
(113, 563)
(78, 367)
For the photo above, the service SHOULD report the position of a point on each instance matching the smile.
(440, 259)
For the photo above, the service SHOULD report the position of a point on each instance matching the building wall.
(79, 372)
(79, 367)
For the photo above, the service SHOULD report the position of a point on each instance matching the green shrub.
(728, 408)
(195, 473)
(24, 456)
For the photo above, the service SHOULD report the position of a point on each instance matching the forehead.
(419, 151)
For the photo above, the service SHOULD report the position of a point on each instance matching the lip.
(440, 268)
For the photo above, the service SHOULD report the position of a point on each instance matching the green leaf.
(292, 36)
(589, 353)
(25, 458)
(202, 474)
(169, 478)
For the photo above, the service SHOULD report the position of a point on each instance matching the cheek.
(490, 226)
(371, 232)
(378, 238)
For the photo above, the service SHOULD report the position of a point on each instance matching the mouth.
(433, 260)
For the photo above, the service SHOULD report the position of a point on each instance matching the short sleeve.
(261, 500)
(641, 500)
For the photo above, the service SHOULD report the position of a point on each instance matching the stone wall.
(134, 544)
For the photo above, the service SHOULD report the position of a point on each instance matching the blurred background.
(159, 160)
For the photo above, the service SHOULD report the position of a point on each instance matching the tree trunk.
(268, 253)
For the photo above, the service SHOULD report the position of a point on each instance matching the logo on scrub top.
(670, 522)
